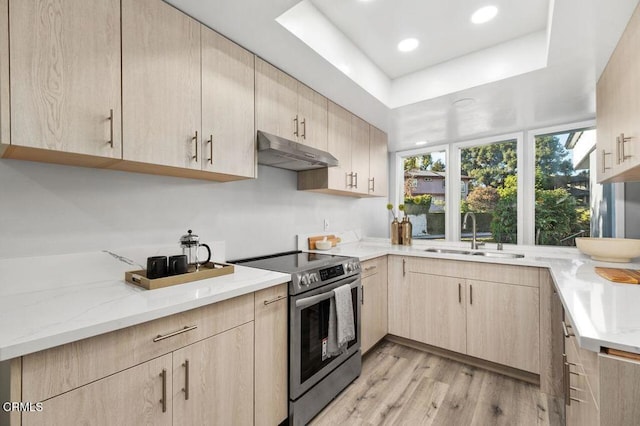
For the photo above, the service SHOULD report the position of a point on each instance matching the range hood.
(280, 152)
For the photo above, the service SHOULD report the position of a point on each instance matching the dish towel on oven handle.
(341, 324)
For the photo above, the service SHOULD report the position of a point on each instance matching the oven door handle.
(312, 300)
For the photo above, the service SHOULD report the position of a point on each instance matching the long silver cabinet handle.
(604, 161)
(459, 293)
(110, 141)
(174, 333)
(185, 389)
(370, 268)
(404, 267)
(624, 140)
(163, 401)
(304, 128)
(295, 123)
(195, 139)
(268, 302)
(210, 142)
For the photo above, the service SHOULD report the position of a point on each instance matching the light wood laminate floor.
(404, 386)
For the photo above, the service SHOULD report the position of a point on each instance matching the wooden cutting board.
(619, 275)
(332, 238)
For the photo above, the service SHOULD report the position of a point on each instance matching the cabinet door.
(160, 85)
(227, 106)
(503, 324)
(437, 311)
(130, 397)
(339, 145)
(606, 147)
(378, 168)
(312, 113)
(360, 154)
(374, 302)
(399, 297)
(276, 101)
(213, 380)
(65, 69)
(4, 74)
(271, 401)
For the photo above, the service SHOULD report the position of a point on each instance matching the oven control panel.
(334, 271)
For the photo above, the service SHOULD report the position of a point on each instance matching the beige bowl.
(323, 245)
(609, 249)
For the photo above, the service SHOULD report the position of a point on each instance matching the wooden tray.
(208, 270)
(619, 275)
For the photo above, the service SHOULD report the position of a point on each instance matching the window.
(566, 194)
(489, 182)
(423, 193)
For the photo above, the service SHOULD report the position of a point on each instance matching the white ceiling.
(578, 40)
(444, 28)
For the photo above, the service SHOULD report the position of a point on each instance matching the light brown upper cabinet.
(289, 109)
(361, 153)
(65, 77)
(378, 169)
(161, 90)
(618, 109)
(228, 133)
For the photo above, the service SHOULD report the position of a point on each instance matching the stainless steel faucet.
(474, 242)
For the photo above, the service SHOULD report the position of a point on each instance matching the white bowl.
(323, 245)
(609, 249)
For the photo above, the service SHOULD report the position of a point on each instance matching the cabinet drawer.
(372, 266)
(493, 272)
(60, 369)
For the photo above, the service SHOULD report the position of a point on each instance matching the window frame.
(525, 150)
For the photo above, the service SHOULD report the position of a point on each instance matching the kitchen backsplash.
(50, 209)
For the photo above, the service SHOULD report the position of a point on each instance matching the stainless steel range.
(314, 377)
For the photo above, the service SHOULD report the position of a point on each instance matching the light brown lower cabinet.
(130, 397)
(374, 320)
(271, 359)
(223, 363)
(440, 303)
(600, 388)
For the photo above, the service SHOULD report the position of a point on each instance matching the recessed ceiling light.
(484, 14)
(408, 44)
(420, 143)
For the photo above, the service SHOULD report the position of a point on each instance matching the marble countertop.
(53, 300)
(604, 314)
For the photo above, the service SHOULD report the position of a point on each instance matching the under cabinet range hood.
(280, 152)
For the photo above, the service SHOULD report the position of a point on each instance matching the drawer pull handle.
(268, 302)
(174, 333)
(210, 141)
(185, 389)
(459, 293)
(566, 331)
(573, 388)
(163, 401)
(577, 400)
(370, 268)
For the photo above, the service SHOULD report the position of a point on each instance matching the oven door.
(308, 328)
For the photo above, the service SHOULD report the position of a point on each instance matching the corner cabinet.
(223, 363)
(352, 141)
(618, 109)
(374, 302)
(439, 303)
(65, 80)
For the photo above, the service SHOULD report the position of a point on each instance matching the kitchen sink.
(476, 253)
(448, 251)
(496, 254)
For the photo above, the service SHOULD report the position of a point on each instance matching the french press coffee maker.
(190, 244)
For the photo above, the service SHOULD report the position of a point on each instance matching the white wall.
(49, 209)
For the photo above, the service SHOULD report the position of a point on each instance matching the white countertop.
(53, 300)
(604, 314)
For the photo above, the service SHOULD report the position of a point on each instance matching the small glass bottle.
(395, 231)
